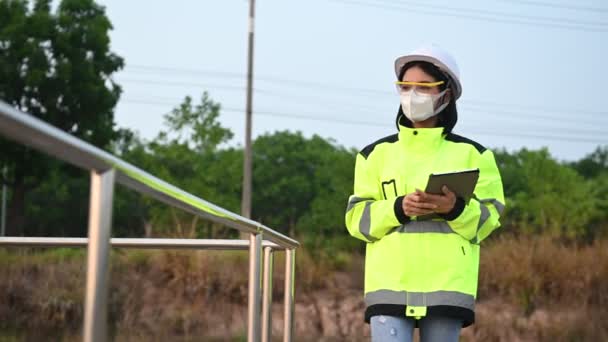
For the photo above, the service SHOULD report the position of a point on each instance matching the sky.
(533, 74)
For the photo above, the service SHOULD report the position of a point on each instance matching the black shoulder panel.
(369, 148)
(460, 139)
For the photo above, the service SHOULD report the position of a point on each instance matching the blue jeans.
(432, 329)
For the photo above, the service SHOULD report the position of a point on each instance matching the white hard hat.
(438, 57)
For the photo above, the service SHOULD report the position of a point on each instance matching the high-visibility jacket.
(414, 267)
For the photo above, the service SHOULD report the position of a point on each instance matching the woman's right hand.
(415, 204)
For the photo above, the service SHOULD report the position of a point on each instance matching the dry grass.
(530, 290)
(498, 320)
(537, 272)
(152, 293)
(539, 289)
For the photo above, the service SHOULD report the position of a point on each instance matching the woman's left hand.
(445, 203)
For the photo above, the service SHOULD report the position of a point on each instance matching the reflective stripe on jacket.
(418, 268)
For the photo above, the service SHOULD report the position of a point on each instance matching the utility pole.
(247, 162)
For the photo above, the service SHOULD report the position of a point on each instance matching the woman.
(422, 254)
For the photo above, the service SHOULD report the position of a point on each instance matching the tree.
(322, 226)
(599, 187)
(594, 164)
(301, 183)
(57, 67)
(547, 197)
(187, 155)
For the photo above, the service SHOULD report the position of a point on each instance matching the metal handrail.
(106, 169)
(38, 134)
(145, 243)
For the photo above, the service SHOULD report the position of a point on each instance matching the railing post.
(267, 295)
(254, 313)
(100, 218)
(290, 268)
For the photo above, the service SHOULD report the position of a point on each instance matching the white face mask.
(419, 107)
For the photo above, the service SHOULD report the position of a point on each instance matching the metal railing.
(107, 169)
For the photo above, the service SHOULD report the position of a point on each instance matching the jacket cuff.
(455, 212)
(398, 209)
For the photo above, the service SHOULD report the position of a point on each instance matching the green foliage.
(48, 203)
(39, 256)
(300, 182)
(206, 133)
(594, 164)
(187, 155)
(599, 192)
(544, 196)
(56, 66)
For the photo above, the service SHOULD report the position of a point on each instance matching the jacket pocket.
(389, 189)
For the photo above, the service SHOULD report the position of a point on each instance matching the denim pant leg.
(439, 329)
(389, 329)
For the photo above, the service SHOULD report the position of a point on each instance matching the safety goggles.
(421, 87)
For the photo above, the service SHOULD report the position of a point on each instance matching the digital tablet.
(460, 182)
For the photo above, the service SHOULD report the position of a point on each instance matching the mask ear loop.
(444, 104)
(442, 97)
(442, 100)
(448, 86)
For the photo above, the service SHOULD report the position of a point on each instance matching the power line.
(276, 114)
(494, 110)
(603, 114)
(206, 85)
(281, 95)
(474, 17)
(526, 116)
(500, 14)
(184, 84)
(270, 79)
(542, 137)
(487, 132)
(368, 92)
(173, 70)
(562, 6)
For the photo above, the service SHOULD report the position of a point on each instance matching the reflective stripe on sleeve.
(365, 223)
(500, 207)
(354, 200)
(428, 226)
(484, 216)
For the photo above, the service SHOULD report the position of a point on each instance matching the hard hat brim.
(403, 60)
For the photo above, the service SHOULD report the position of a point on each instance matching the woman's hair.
(449, 115)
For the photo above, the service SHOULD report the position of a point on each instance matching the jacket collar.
(421, 139)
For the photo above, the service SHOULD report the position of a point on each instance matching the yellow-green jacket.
(421, 268)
